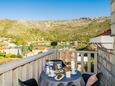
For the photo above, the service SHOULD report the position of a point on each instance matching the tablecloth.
(75, 80)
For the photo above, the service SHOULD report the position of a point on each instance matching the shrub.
(2, 54)
(19, 56)
(1, 57)
(8, 55)
(54, 44)
(13, 56)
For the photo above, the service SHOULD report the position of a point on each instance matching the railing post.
(89, 62)
(57, 54)
(55, 51)
(69, 56)
(76, 59)
(95, 62)
(82, 62)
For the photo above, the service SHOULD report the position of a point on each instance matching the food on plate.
(66, 69)
(59, 77)
(67, 63)
(56, 67)
(58, 71)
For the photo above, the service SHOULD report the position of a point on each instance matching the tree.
(54, 44)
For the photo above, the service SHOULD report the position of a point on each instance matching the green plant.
(1, 57)
(15, 56)
(19, 56)
(54, 44)
(8, 55)
(2, 44)
(2, 54)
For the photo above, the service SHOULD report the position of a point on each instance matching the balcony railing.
(31, 67)
(82, 58)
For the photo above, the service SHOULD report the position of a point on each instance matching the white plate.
(60, 78)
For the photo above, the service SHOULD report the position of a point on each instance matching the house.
(10, 48)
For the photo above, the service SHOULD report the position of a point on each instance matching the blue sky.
(53, 9)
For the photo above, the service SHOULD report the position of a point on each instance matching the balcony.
(31, 67)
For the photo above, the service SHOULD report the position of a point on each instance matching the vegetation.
(4, 55)
(53, 44)
(27, 34)
(22, 32)
(1, 44)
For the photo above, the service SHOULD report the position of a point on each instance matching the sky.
(53, 9)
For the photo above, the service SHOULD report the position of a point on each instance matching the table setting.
(57, 71)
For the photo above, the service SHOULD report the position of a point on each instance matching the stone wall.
(105, 65)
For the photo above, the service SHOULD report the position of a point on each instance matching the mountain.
(26, 31)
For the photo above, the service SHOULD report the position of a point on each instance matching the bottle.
(47, 68)
(52, 72)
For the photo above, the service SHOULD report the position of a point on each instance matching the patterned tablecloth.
(75, 80)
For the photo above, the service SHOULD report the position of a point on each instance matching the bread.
(56, 67)
(66, 69)
(67, 63)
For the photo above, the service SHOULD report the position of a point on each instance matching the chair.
(60, 84)
(98, 75)
(71, 84)
(30, 82)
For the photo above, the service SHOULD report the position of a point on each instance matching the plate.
(56, 78)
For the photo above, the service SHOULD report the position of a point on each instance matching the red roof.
(2, 48)
(105, 32)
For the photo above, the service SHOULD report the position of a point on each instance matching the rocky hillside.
(24, 31)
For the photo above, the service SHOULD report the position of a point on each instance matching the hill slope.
(23, 31)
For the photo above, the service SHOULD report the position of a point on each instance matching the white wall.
(12, 51)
